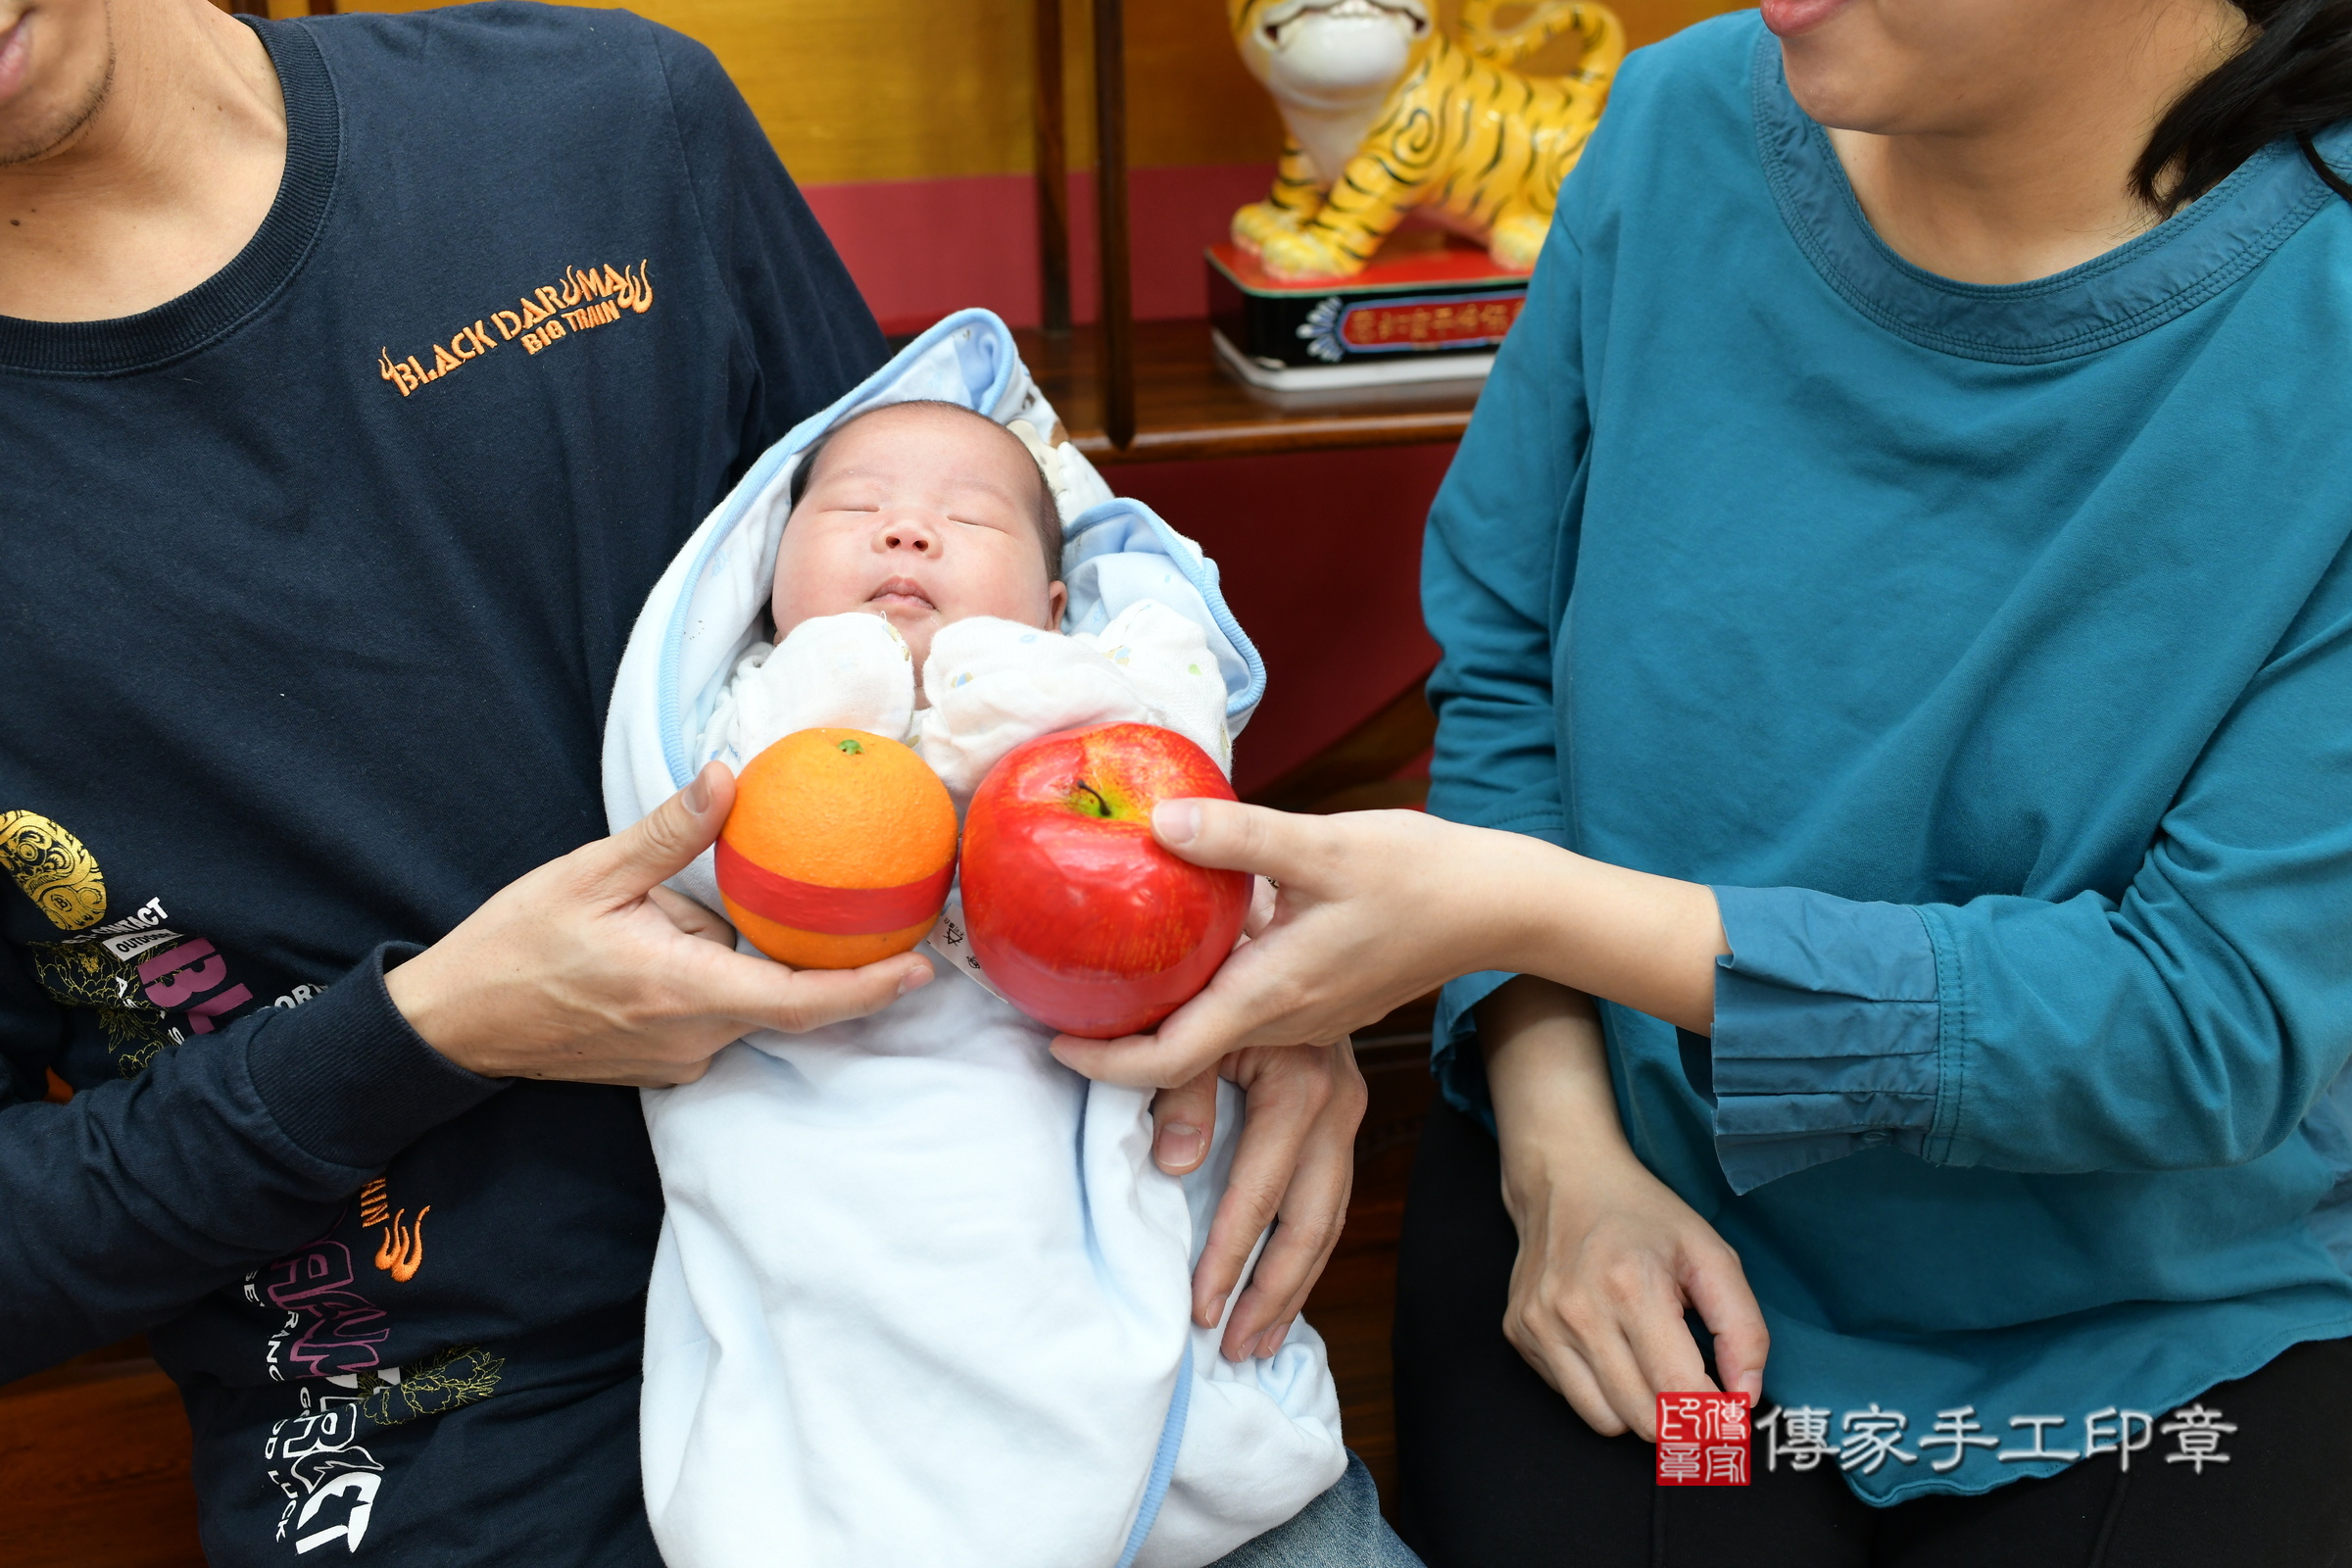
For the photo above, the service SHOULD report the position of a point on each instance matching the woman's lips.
(1789, 18)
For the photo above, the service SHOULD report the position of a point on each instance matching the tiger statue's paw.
(1517, 241)
(1294, 254)
(1255, 224)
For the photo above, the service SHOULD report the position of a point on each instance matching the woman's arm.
(2193, 1021)
(1609, 1257)
(1378, 908)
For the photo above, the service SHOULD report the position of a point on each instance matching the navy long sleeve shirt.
(316, 580)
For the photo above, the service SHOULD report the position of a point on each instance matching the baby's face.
(924, 516)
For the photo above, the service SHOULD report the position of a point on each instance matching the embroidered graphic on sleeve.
(133, 973)
(402, 1252)
(53, 867)
(584, 299)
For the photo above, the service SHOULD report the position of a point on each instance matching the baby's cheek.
(807, 585)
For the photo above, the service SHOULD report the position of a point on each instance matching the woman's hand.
(1369, 915)
(1293, 1168)
(1378, 908)
(1609, 1258)
(589, 969)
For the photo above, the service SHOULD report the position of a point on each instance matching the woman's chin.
(1790, 19)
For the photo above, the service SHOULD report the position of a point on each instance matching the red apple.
(1076, 913)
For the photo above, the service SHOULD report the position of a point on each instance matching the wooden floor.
(94, 1468)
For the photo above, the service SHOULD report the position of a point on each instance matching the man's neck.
(161, 186)
(2040, 179)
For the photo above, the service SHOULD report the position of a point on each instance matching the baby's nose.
(896, 540)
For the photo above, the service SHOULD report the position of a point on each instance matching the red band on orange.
(835, 912)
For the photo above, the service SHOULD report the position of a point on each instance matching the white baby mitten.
(1165, 659)
(849, 671)
(993, 684)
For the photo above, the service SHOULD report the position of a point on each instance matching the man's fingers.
(1313, 1207)
(1718, 1287)
(760, 995)
(1183, 1121)
(664, 842)
(1284, 1105)
(690, 917)
(1282, 845)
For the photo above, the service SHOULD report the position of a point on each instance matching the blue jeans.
(1341, 1529)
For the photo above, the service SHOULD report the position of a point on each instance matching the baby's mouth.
(902, 592)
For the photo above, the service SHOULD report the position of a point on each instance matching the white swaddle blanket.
(921, 1296)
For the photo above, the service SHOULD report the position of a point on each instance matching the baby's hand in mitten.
(1164, 659)
(993, 684)
(847, 671)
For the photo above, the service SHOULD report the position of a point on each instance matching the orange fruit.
(839, 850)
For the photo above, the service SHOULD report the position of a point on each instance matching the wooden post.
(1116, 328)
(1052, 172)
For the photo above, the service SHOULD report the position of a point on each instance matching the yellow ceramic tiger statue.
(1386, 113)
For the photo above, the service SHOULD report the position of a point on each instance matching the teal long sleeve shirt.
(1988, 649)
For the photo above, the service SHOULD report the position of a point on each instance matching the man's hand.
(589, 969)
(1293, 1168)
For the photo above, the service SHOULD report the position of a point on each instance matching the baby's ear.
(1058, 600)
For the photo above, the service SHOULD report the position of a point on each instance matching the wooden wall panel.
(930, 89)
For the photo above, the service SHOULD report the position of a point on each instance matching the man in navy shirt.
(358, 377)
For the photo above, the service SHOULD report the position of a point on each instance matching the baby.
(921, 525)
(925, 513)
(921, 1296)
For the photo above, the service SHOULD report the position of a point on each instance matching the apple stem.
(1099, 806)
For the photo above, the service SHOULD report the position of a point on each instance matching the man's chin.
(32, 123)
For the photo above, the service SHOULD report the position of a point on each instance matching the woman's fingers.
(1262, 896)
(1286, 846)
(1190, 1040)
(1718, 1286)
(1553, 1350)
(1183, 1121)
(1662, 1356)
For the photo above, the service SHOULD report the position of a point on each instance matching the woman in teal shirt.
(1896, 606)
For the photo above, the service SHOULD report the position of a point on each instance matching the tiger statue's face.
(1328, 54)
(1384, 112)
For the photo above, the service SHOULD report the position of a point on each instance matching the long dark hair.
(2292, 77)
